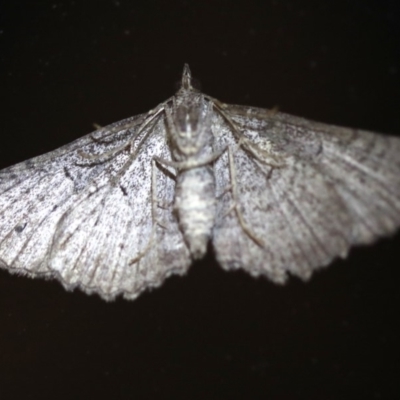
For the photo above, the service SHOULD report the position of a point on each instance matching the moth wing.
(84, 213)
(305, 192)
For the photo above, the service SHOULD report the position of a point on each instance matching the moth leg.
(105, 141)
(163, 204)
(154, 203)
(227, 189)
(191, 163)
(136, 151)
(170, 174)
(268, 158)
(110, 132)
(100, 158)
(235, 205)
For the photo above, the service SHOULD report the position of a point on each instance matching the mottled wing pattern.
(305, 192)
(85, 213)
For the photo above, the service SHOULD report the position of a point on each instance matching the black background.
(65, 65)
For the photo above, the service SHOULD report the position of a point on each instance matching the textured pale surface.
(123, 208)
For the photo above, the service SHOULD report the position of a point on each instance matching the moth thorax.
(195, 206)
(191, 129)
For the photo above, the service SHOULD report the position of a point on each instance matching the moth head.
(187, 82)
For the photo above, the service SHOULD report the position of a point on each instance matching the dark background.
(65, 65)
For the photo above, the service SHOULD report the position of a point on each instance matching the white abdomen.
(195, 206)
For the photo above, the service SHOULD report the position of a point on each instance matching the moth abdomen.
(195, 205)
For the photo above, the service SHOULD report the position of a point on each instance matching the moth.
(121, 209)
